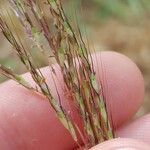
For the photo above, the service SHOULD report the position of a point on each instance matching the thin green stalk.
(74, 59)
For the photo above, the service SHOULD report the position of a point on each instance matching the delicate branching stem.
(74, 60)
(11, 75)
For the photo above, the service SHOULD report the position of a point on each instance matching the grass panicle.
(69, 50)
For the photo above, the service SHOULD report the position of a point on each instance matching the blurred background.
(117, 25)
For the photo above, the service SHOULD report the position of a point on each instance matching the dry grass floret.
(68, 49)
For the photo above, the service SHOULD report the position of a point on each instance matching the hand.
(27, 122)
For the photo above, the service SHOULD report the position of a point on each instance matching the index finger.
(28, 121)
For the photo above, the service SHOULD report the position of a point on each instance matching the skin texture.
(139, 129)
(122, 144)
(27, 122)
(122, 83)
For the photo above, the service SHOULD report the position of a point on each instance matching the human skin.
(27, 122)
(122, 144)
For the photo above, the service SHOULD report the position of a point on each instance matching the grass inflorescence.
(69, 50)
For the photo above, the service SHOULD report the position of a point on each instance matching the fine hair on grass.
(67, 48)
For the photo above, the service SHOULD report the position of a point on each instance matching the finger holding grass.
(83, 89)
(27, 118)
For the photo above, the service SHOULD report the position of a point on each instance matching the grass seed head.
(70, 52)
